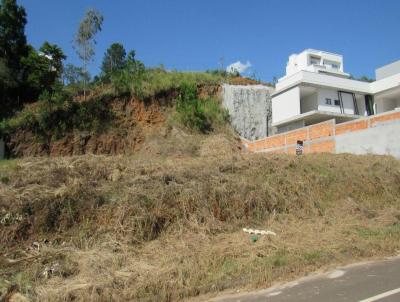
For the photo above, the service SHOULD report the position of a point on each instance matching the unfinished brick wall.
(316, 138)
(351, 126)
(393, 115)
(320, 130)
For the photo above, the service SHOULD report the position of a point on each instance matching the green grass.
(8, 163)
(7, 166)
(313, 256)
(379, 232)
(156, 80)
(53, 119)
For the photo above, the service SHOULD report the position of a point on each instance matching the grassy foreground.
(97, 228)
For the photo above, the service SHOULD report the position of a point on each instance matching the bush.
(129, 79)
(56, 114)
(197, 114)
(136, 79)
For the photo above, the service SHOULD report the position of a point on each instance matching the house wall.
(376, 134)
(323, 94)
(387, 70)
(318, 79)
(317, 101)
(301, 61)
(347, 99)
(383, 105)
(291, 126)
(382, 139)
(309, 103)
(286, 105)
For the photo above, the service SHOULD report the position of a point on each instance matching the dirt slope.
(168, 227)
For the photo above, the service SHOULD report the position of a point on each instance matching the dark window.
(337, 103)
(328, 101)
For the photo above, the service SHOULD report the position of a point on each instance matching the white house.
(316, 88)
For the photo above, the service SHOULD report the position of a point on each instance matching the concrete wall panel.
(286, 105)
(383, 139)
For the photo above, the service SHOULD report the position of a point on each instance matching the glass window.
(314, 60)
(328, 101)
(337, 103)
(332, 64)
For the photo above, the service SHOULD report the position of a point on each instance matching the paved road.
(368, 282)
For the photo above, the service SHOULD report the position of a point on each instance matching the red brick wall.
(323, 147)
(324, 129)
(351, 126)
(296, 135)
(316, 138)
(385, 118)
(275, 141)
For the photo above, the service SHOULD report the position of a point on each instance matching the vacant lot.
(167, 228)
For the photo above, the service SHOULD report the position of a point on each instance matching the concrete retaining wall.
(379, 134)
(381, 139)
(249, 109)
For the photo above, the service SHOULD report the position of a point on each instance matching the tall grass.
(153, 81)
(203, 115)
(54, 117)
(167, 229)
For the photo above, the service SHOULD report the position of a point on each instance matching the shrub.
(147, 82)
(129, 79)
(197, 114)
(56, 114)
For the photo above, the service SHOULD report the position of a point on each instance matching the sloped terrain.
(165, 226)
(110, 121)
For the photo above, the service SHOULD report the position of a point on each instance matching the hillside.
(129, 196)
(168, 227)
(115, 120)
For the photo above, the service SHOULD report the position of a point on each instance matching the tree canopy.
(13, 47)
(114, 60)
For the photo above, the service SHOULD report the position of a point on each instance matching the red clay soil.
(134, 120)
(246, 81)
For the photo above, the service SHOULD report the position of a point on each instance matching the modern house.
(316, 89)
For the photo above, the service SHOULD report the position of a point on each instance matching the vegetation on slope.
(46, 103)
(151, 228)
(56, 117)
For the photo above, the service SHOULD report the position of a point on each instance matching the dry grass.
(167, 228)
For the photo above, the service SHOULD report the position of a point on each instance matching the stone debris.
(115, 175)
(49, 271)
(35, 246)
(10, 218)
(259, 232)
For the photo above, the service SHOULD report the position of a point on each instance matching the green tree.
(130, 78)
(13, 44)
(43, 69)
(13, 48)
(85, 38)
(75, 76)
(55, 56)
(366, 79)
(114, 60)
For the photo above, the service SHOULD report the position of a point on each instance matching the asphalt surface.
(367, 282)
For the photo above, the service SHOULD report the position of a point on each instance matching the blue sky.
(194, 34)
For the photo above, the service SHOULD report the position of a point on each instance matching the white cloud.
(238, 67)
